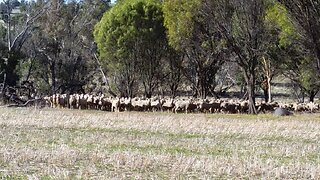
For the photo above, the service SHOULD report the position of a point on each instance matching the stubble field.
(73, 144)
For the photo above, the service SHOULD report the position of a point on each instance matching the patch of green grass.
(68, 136)
(173, 150)
(45, 178)
(244, 116)
(277, 138)
(13, 177)
(267, 116)
(280, 159)
(313, 157)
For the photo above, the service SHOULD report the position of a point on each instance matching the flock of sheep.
(100, 102)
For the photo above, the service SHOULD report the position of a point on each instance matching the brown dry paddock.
(68, 144)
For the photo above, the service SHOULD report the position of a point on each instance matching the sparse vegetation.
(74, 144)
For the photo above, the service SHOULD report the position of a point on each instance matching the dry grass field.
(73, 144)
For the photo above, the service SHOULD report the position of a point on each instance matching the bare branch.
(21, 37)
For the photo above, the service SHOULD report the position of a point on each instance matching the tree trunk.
(104, 77)
(29, 71)
(4, 86)
(266, 95)
(269, 90)
(251, 93)
(203, 90)
(317, 48)
(53, 78)
(268, 74)
(313, 94)
(148, 94)
(311, 98)
(129, 92)
(264, 87)
(302, 96)
(173, 88)
(147, 89)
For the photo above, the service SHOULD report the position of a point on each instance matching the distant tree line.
(56, 51)
(149, 47)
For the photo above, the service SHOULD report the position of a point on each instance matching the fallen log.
(24, 104)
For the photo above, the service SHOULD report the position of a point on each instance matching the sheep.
(312, 107)
(193, 106)
(121, 104)
(128, 105)
(181, 105)
(96, 101)
(156, 104)
(90, 102)
(125, 104)
(229, 107)
(266, 107)
(134, 103)
(57, 100)
(82, 101)
(48, 100)
(299, 107)
(86, 101)
(243, 107)
(167, 104)
(72, 101)
(142, 104)
(209, 106)
(105, 103)
(205, 106)
(115, 105)
(54, 101)
(289, 106)
(61, 100)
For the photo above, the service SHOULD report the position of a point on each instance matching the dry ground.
(73, 144)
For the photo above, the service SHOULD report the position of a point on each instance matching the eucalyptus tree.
(305, 17)
(242, 24)
(62, 48)
(132, 43)
(192, 30)
(282, 36)
(19, 26)
(172, 70)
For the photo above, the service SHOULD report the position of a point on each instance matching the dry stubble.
(68, 144)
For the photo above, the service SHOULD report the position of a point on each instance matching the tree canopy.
(131, 40)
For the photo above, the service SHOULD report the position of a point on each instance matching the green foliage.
(308, 75)
(192, 29)
(61, 48)
(3, 32)
(179, 19)
(126, 23)
(130, 38)
(9, 69)
(278, 16)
